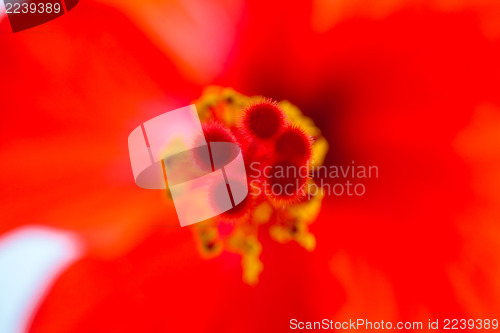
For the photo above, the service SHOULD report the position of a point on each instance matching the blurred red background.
(409, 86)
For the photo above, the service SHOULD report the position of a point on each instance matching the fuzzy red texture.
(220, 199)
(213, 131)
(284, 182)
(294, 144)
(240, 210)
(286, 146)
(268, 141)
(263, 120)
